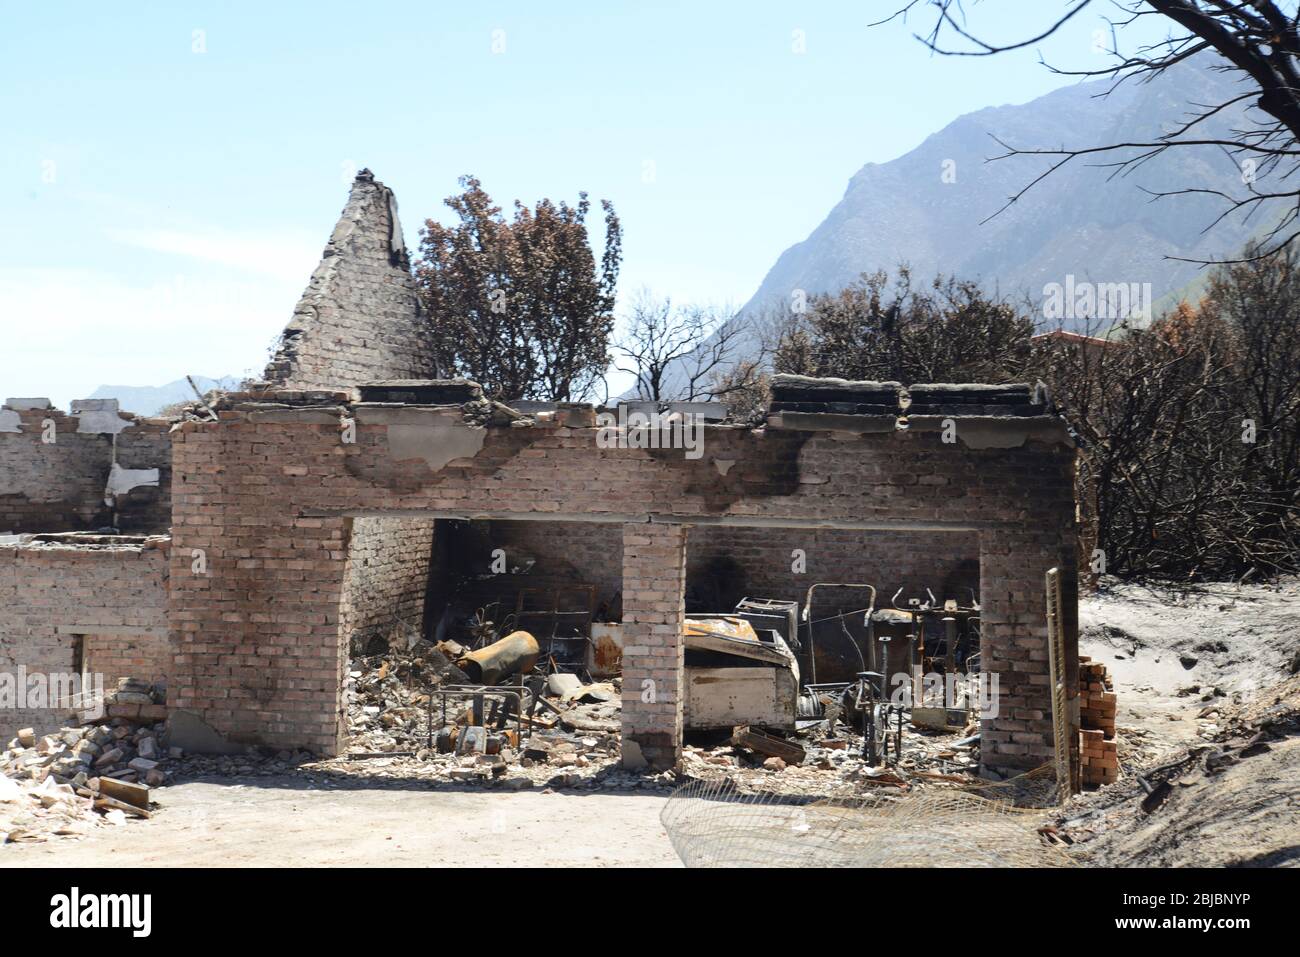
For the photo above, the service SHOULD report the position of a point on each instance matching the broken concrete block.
(101, 735)
(563, 684)
(27, 738)
(33, 404)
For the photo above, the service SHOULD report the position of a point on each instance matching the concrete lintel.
(101, 421)
(436, 442)
(995, 431)
(620, 518)
(121, 481)
(388, 413)
(301, 416)
(832, 422)
(476, 516)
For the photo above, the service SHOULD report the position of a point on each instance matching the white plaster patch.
(102, 423)
(10, 421)
(437, 443)
(121, 481)
(723, 465)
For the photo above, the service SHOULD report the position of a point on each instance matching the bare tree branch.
(1258, 41)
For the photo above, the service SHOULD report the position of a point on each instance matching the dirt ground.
(1201, 674)
(1206, 707)
(1174, 652)
(277, 822)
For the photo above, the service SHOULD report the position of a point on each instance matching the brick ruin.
(90, 468)
(72, 600)
(83, 604)
(346, 495)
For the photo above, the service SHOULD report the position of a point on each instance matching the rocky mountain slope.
(147, 400)
(1075, 222)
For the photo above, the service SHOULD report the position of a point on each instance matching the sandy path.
(278, 823)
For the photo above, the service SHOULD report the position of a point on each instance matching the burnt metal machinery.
(775, 613)
(863, 704)
(941, 638)
(831, 650)
(866, 698)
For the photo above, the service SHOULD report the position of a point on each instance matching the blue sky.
(170, 172)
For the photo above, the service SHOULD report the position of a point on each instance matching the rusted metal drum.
(515, 653)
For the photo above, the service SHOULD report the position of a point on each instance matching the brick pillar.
(1013, 645)
(654, 582)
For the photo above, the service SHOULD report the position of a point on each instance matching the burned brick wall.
(387, 579)
(81, 471)
(144, 509)
(116, 655)
(589, 553)
(69, 606)
(727, 563)
(266, 496)
(359, 319)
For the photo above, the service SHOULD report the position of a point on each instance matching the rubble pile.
(53, 784)
(547, 759)
(32, 810)
(572, 742)
(835, 765)
(570, 738)
(387, 696)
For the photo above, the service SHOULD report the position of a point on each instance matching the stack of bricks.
(1099, 757)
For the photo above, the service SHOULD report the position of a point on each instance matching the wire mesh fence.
(713, 824)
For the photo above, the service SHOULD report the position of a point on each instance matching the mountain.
(1076, 222)
(149, 400)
